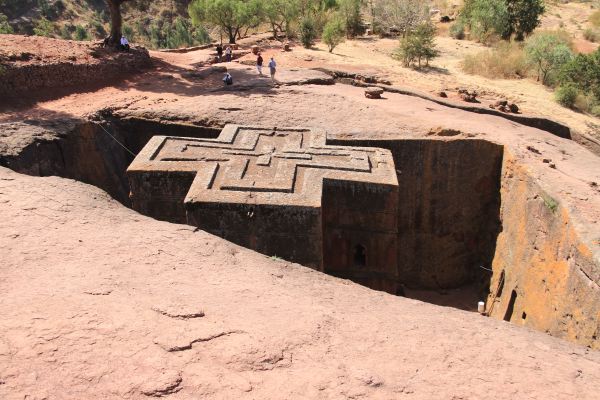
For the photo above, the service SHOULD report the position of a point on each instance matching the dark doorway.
(360, 256)
(511, 306)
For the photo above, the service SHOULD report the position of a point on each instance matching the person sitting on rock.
(259, 63)
(228, 53)
(124, 44)
(219, 52)
(228, 79)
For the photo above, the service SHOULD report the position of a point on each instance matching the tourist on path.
(228, 53)
(272, 68)
(124, 44)
(259, 64)
(228, 79)
(219, 52)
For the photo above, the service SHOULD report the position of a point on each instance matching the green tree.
(280, 14)
(308, 32)
(548, 52)
(333, 33)
(523, 17)
(116, 21)
(486, 18)
(231, 15)
(417, 46)
(505, 18)
(350, 12)
(4, 25)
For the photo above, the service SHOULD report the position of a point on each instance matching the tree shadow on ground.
(433, 70)
(169, 78)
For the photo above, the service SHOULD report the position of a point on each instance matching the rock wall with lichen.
(544, 277)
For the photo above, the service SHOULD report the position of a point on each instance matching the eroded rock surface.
(271, 329)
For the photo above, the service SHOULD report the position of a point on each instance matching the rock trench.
(461, 209)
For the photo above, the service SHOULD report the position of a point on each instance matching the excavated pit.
(460, 219)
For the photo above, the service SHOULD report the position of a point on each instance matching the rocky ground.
(102, 302)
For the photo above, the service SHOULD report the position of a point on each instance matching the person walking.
(219, 52)
(272, 68)
(259, 63)
(228, 53)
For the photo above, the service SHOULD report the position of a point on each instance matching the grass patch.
(505, 60)
(550, 203)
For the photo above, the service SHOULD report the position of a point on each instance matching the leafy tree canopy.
(231, 15)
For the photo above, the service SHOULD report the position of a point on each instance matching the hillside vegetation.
(155, 24)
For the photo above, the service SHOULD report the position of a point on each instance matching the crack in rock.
(189, 345)
(171, 314)
(104, 292)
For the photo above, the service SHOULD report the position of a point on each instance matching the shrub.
(333, 33)
(505, 60)
(583, 72)
(43, 27)
(402, 15)
(307, 32)
(80, 33)
(128, 32)
(595, 111)
(583, 102)
(548, 52)
(566, 95)
(201, 35)
(591, 35)
(457, 30)
(417, 46)
(65, 32)
(98, 29)
(4, 25)
(350, 11)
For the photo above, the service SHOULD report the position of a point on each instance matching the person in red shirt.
(259, 63)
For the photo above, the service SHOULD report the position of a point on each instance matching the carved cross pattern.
(274, 162)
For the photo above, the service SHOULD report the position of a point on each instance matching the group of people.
(228, 53)
(228, 79)
(272, 66)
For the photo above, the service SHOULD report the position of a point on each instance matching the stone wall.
(360, 229)
(27, 80)
(448, 209)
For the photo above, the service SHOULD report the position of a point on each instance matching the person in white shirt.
(228, 79)
(228, 53)
(124, 43)
(272, 68)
